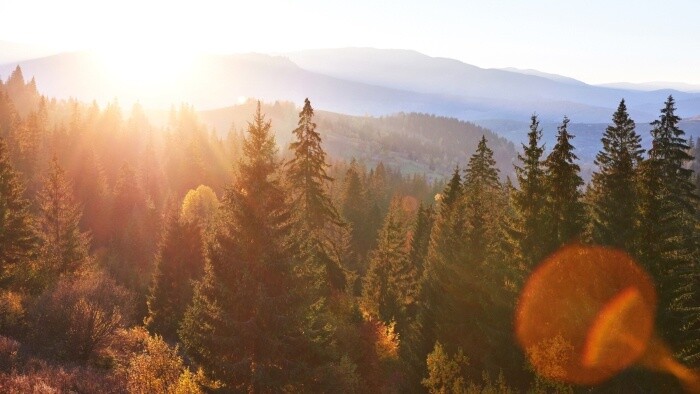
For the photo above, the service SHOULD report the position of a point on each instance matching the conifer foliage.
(241, 324)
(313, 210)
(614, 186)
(64, 248)
(17, 235)
(530, 198)
(563, 183)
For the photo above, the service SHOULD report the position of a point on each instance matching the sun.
(147, 68)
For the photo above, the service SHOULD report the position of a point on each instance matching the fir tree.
(530, 198)
(391, 284)
(17, 236)
(481, 187)
(613, 187)
(420, 238)
(668, 242)
(313, 209)
(354, 211)
(242, 326)
(179, 262)
(64, 248)
(563, 189)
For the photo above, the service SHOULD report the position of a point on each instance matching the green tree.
(446, 373)
(313, 209)
(391, 284)
(242, 326)
(420, 239)
(613, 186)
(530, 198)
(669, 246)
(179, 262)
(354, 211)
(64, 248)
(563, 189)
(482, 189)
(17, 235)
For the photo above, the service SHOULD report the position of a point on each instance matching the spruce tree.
(64, 248)
(242, 326)
(563, 189)
(391, 283)
(179, 262)
(354, 210)
(17, 235)
(313, 210)
(613, 186)
(420, 238)
(482, 188)
(669, 245)
(530, 198)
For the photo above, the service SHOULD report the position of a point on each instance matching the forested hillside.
(259, 256)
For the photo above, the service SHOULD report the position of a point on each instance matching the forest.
(170, 259)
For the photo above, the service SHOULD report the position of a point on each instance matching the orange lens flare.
(585, 314)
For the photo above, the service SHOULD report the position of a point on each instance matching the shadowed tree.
(17, 236)
(614, 187)
(242, 325)
(563, 188)
(64, 248)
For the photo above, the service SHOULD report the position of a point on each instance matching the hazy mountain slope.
(14, 52)
(216, 81)
(412, 142)
(411, 70)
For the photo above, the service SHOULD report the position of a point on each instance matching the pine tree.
(391, 283)
(313, 209)
(64, 248)
(179, 262)
(17, 236)
(420, 238)
(481, 187)
(613, 186)
(563, 189)
(669, 245)
(530, 198)
(242, 326)
(354, 211)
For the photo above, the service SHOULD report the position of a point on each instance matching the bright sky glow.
(596, 41)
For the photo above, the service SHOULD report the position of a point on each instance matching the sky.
(596, 41)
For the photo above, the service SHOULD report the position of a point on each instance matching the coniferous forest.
(169, 259)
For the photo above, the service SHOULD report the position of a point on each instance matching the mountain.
(510, 91)
(355, 81)
(415, 143)
(553, 77)
(14, 52)
(657, 85)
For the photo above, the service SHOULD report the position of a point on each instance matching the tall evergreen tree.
(242, 326)
(17, 236)
(355, 212)
(391, 285)
(482, 188)
(64, 248)
(311, 204)
(179, 263)
(563, 190)
(530, 198)
(420, 239)
(613, 187)
(669, 245)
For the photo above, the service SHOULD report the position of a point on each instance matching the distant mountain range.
(377, 83)
(360, 81)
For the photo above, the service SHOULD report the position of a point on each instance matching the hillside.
(355, 81)
(412, 142)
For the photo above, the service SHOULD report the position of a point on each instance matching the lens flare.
(597, 302)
